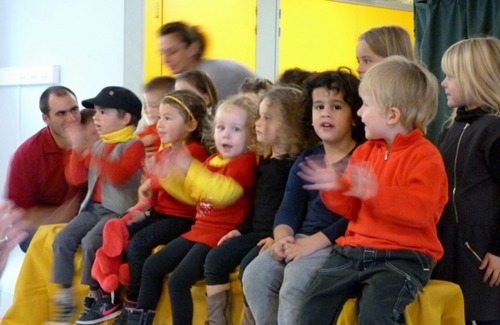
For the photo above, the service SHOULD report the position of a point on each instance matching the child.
(392, 192)
(114, 170)
(255, 86)
(275, 282)
(293, 77)
(380, 42)
(200, 83)
(182, 118)
(154, 91)
(469, 228)
(281, 133)
(223, 188)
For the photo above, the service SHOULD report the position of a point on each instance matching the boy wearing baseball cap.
(113, 169)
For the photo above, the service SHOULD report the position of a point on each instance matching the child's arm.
(120, 169)
(76, 171)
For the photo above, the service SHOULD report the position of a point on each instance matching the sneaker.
(122, 320)
(101, 310)
(63, 311)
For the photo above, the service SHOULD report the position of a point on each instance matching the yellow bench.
(439, 303)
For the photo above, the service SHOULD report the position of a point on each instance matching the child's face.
(231, 138)
(107, 120)
(374, 118)
(454, 95)
(152, 100)
(184, 85)
(266, 126)
(171, 126)
(331, 116)
(366, 58)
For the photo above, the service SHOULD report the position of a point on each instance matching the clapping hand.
(318, 173)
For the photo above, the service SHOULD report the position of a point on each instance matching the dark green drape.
(441, 23)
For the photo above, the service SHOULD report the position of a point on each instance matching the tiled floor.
(9, 278)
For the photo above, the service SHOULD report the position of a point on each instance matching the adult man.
(36, 180)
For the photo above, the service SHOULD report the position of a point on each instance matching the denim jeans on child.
(387, 280)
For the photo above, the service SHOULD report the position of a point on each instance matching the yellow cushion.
(440, 302)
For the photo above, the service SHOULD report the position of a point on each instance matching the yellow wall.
(315, 34)
(319, 35)
(229, 27)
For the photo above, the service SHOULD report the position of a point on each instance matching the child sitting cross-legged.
(392, 192)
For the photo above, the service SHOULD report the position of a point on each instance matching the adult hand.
(12, 231)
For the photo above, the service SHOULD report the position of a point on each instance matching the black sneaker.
(101, 310)
(63, 311)
(122, 320)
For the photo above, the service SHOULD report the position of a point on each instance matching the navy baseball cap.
(116, 97)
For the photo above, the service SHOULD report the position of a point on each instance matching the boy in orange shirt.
(393, 192)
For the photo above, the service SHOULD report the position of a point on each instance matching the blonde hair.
(399, 82)
(389, 40)
(475, 65)
(246, 102)
(291, 131)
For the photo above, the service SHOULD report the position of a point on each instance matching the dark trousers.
(386, 280)
(157, 229)
(223, 259)
(184, 260)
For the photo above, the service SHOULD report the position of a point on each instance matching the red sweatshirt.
(412, 193)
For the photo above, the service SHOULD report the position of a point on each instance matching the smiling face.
(366, 58)
(172, 127)
(374, 118)
(454, 94)
(267, 125)
(177, 55)
(231, 135)
(331, 116)
(107, 120)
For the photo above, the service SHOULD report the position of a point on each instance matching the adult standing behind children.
(182, 48)
(393, 193)
(470, 145)
(36, 180)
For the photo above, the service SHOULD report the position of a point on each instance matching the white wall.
(96, 43)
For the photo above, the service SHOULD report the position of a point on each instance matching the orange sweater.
(411, 195)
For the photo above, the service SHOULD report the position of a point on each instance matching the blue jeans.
(275, 290)
(387, 280)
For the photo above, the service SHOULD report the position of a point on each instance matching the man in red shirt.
(36, 180)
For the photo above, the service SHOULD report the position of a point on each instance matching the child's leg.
(155, 269)
(65, 245)
(297, 280)
(189, 270)
(159, 232)
(392, 284)
(335, 281)
(261, 285)
(92, 241)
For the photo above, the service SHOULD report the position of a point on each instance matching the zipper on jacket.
(386, 155)
(469, 247)
(455, 172)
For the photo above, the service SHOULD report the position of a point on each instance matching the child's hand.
(491, 265)
(136, 216)
(149, 145)
(265, 244)
(182, 158)
(364, 182)
(76, 136)
(278, 248)
(233, 233)
(300, 248)
(145, 192)
(321, 175)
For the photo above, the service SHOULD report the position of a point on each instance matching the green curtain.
(441, 23)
